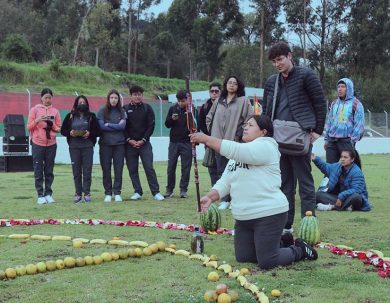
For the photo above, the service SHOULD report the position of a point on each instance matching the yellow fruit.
(210, 296)
(138, 252)
(97, 260)
(31, 269)
(2, 275)
(106, 256)
(41, 266)
(80, 262)
(123, 254)
(276, 292)
(233, 295)
(61, 238)
(60, 264)
(147, 251)
(132, 252)
(154, 248)
(115, 256)
(244, 271)
(77, 244)
(10, 273)
(21, 270)
(69, 262)
(88, 260)
(161, 245)
(51, 265)
(224, 298)
(19, 236)
(308, 213)
(213, 258)
(172, 245)
(213, 276)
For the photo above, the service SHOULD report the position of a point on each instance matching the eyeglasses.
(214, 91)
(232, 83)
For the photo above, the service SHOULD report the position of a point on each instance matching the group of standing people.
(250, 173)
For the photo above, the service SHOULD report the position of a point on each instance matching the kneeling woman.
(346, 188)
(252, 177)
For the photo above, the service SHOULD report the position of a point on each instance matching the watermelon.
(210, 220)
(309, 230)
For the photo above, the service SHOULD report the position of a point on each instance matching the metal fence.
(376, 124)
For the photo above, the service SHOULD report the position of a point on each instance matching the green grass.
(87, 80)
(165, 278)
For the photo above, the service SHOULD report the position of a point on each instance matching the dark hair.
(215, 84)
(240, 88)
(181, 94)
(46, 91)
(354, 155)
(108, 106)
(76, 103)
(136, 89)
(280, 48)
(264, 122)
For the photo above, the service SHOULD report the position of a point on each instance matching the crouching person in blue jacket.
(346, 188)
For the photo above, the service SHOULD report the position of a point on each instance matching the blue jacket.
(354, 181)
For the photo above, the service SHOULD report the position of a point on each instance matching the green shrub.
(16, 48)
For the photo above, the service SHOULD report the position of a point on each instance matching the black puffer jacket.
(305, 97)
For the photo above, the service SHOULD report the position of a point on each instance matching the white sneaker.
(288, 230)
(224, 205)
(107, 198)
(118, 198)
(41, 200)
(49, 199)
(324, 207)
(136, 196)
(159, 197)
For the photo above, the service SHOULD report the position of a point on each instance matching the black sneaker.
(183, 194)
(286, 240)
(308, 252)
(168, 194)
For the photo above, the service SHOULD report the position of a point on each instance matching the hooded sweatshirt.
(37, 130)
(252, 177)
(342, 121)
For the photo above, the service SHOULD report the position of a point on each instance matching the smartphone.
(50, 118)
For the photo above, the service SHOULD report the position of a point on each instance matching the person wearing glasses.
(215, 92)
(226, 118)
(179, 144)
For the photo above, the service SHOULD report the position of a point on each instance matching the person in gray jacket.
(228, 116)
(300, 98)
(112, 121)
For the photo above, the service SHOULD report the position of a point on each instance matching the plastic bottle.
(197, 244)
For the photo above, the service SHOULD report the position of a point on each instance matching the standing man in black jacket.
(179, 145)
(139, 127)
(215, 92)
(300, 98)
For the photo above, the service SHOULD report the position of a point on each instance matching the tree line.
(207, 39)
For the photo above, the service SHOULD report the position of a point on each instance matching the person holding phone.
(44, 122)
(81, 128)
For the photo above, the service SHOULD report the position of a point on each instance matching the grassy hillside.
(86, 80)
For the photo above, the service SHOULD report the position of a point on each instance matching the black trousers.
(43, 163)
(334, 148)
(184, 151)
(213, 172)
(221, 162)
(112, 154)
(297, 169)
(354, 200)
(82, 161)
(132, 159)
(258, 241)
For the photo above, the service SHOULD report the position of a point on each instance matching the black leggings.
(354, 200)
(258, 241)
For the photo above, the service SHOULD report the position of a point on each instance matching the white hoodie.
(252, 177)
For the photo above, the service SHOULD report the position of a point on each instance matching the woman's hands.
(198, 138)
(313, 156)
(205, 203)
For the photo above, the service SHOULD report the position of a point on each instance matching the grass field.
(165, 278)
